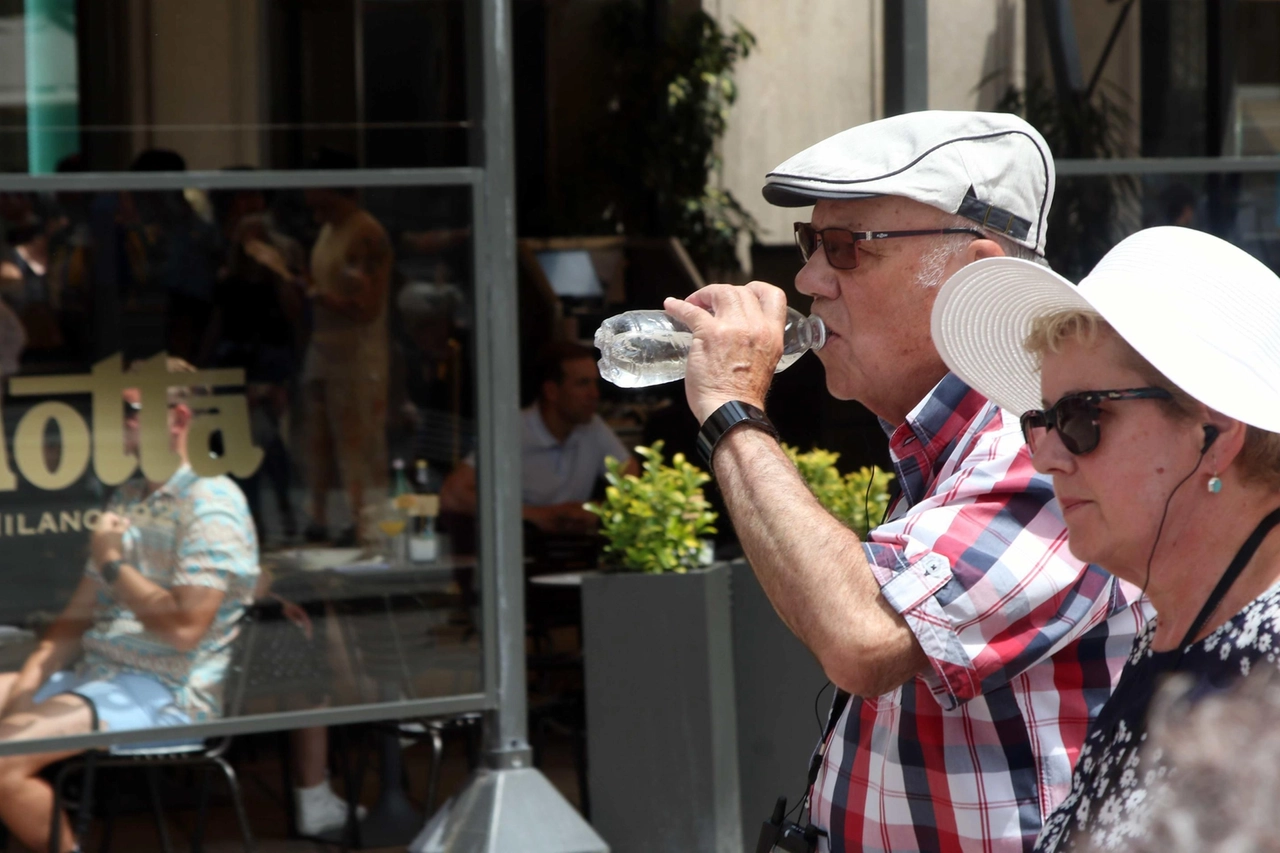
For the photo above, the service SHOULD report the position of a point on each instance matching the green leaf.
(649, 520)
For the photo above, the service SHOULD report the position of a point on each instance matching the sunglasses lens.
(806, 237)
(1033, 427)
(841, 248)
(1077, 425)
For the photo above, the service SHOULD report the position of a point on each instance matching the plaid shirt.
(1024, 643)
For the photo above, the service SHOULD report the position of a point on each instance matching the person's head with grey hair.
(898, 205)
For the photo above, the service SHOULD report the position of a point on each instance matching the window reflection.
(330, 329)
(265, 83)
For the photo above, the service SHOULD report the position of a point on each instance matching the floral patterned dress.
(1115, 780)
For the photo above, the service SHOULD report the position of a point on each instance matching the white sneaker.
(321, 811)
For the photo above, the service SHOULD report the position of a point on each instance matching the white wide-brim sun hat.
(1203, 312)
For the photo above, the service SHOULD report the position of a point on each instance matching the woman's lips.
(1070, 505)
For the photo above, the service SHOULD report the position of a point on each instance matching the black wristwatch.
(110, 571)
(725, 418)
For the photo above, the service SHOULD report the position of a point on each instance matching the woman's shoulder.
(1251, 636)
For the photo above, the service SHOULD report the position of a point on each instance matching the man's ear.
(983, 248)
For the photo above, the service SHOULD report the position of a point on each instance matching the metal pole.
(906, 56)
(1064, 48)
(507, 807)
(499, 470)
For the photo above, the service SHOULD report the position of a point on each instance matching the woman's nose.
(1049, 455)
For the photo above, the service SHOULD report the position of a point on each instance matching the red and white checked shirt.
(1025, 643)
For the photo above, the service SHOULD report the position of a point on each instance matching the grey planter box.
(776, 680)
(662, 736)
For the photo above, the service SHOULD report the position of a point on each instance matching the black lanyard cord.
(1242, 558)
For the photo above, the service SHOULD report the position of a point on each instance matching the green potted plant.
(657, 521)
(658, 665)
(858, 499)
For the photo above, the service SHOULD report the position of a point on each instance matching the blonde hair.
(1259, 459)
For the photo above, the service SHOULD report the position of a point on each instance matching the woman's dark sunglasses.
(1075, 417)
(841, 244)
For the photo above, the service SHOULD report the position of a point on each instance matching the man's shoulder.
(367, 225)
(218, 493)
(533, 432)
(598, 430)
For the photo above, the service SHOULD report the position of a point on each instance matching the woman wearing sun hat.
(1151, 395)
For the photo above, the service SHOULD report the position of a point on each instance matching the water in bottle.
(642, 348)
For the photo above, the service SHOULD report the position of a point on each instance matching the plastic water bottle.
(642, 348)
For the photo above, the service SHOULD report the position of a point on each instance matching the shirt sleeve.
(981, 571)
(218, 548)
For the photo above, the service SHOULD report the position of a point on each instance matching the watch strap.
(110, 571)
(725, 418)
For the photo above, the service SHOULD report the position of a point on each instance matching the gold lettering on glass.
(107, 381)
(29, 446)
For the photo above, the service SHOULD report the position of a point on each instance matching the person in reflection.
(24, 279)
(345, 369)
(563, 447)
(257, 312)
(172, 568)
(174, 255)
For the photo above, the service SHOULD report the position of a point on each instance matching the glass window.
(92, 86)
(241, 399)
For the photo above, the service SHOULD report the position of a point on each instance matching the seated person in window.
(563, 446)
(172, 567)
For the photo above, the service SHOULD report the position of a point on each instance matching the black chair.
(209, 755)
(383, 627)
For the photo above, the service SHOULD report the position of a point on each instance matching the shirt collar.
(542, 437)
(925, 440)
(179, 481)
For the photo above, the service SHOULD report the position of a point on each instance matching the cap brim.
(782, 195)
(983, 315)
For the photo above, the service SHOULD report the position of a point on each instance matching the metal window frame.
(496, 354)
(500, 547)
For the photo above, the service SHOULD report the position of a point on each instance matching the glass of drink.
(391, 522)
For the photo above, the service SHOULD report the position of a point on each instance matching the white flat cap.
(993, 168)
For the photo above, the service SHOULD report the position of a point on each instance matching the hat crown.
(993, 168)
(1203, 312)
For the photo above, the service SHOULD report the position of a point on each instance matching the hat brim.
(782, 195)
(983, 315)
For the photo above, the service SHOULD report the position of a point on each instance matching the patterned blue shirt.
(192, 531)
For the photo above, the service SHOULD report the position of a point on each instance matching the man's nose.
(818, 278)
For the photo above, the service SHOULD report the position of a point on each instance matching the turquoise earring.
(1215, 484)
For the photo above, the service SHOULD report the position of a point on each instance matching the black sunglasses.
(132, 410)
(841, 244)
(1075, 417)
